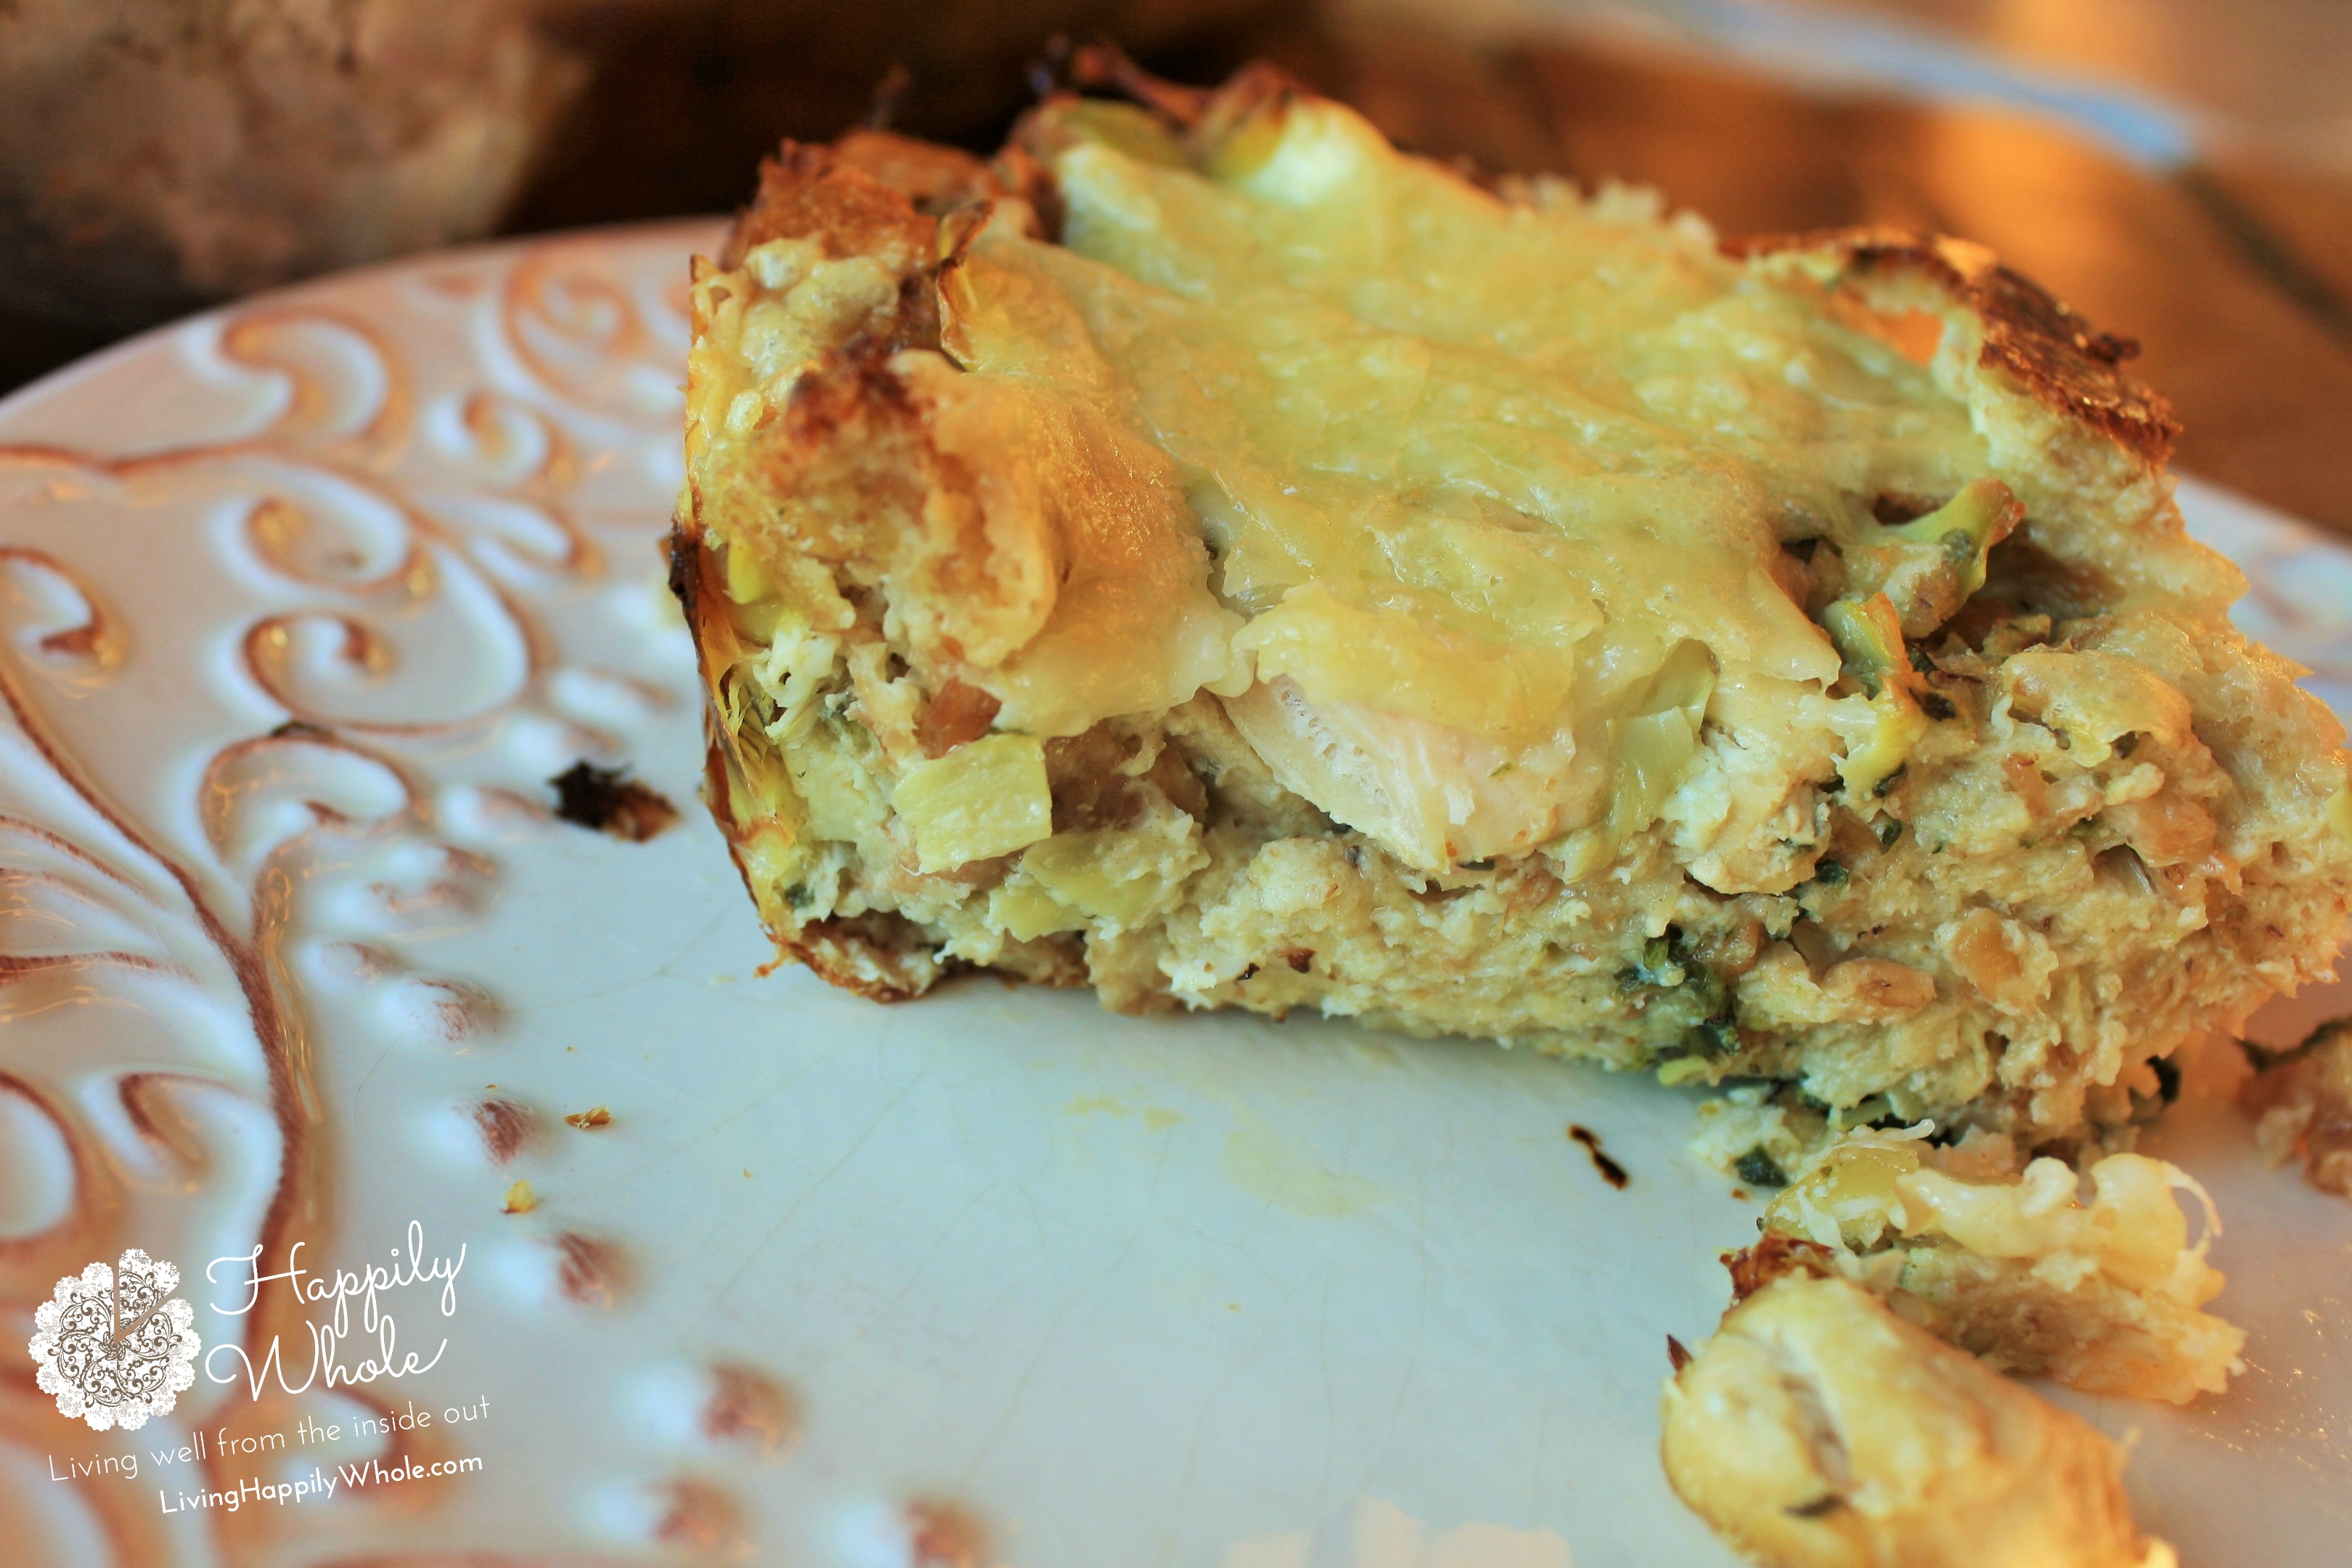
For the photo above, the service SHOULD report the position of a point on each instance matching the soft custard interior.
(1311, 578)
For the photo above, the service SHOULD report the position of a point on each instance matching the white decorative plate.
(305, 602)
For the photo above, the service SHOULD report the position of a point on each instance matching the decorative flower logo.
(114, 1344)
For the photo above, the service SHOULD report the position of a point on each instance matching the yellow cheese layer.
(1470, 471)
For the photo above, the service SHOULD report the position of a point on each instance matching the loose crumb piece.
(607, 800)
(594, 1116)
(520, 1199)
(2102, 1294)
(1816, 1428)
(2302, 1104)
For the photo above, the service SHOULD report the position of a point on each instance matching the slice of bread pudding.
(1210, 555)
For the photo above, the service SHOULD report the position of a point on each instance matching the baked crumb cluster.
(2102, 1290)
(2302, 1103)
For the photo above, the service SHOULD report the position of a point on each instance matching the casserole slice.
(1207, 554)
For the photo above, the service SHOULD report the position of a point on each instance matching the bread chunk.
(2105, 1295)
(1207, 554)
(1816, 1430)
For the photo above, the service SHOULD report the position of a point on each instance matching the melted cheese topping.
(1472, 470)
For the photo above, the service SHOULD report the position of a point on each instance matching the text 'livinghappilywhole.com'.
(319, 1483)
(208, 1451)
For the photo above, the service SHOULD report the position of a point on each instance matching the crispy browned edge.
(2042, 346)
(869, 186)
(881, 957)
(1773, 1255)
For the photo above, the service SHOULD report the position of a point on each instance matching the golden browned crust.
(2031, 336)
(839, 198)
(809, 191)
(1775, 1255)
(882, 957)
(933, 178)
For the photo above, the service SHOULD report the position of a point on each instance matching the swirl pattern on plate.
(282, 690)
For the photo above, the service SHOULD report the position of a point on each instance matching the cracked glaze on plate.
(304, 602)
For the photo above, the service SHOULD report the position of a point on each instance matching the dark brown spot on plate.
(609, 801)
(1610, 1171)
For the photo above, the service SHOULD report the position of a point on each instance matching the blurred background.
(2179, 170)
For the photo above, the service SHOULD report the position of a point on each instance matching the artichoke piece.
(1657, 742)
(1654, 744)
(1124, 128)
(1929, 566)
(1869, 638)
(989, 797)
(1896, 727)
(1027, 910)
